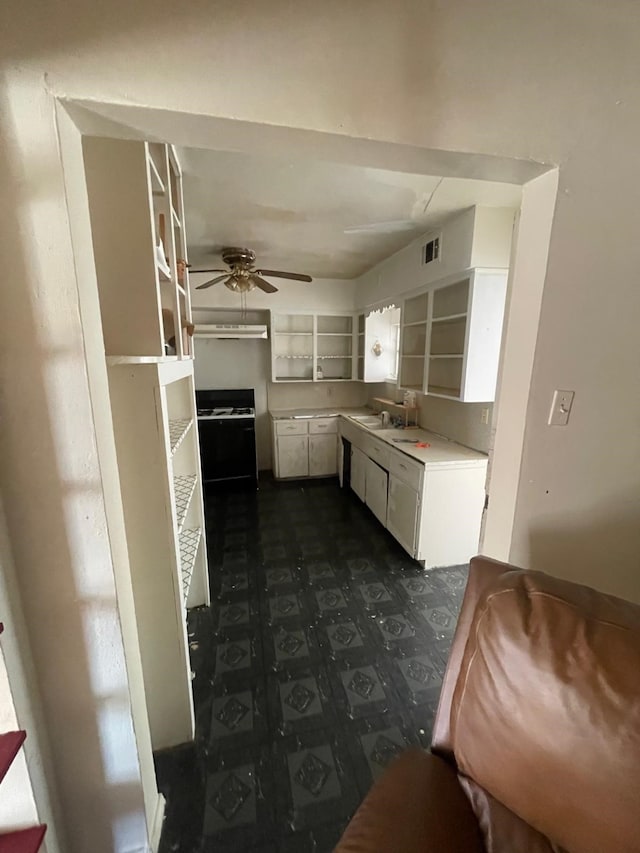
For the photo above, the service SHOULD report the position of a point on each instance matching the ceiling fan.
(242, 277)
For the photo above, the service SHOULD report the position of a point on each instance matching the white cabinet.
(292, 455)
(305, 447)
(358, 472)
(312, 347)
(323, 456)
(376, 490)
(451, 337)
(402, 513)
(433, 508)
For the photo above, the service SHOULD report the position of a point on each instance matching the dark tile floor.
(319, 660)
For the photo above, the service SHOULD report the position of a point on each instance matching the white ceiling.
(324, 219)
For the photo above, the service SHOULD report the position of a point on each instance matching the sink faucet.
(385, 418)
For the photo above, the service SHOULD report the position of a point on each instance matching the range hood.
(231, 331)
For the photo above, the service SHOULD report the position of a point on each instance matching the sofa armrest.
(417, 806)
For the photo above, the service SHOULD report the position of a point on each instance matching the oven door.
(227, 449)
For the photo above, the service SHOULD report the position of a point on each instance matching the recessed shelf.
(10, 744)
(183, 487)
(448, 355)
(343, 357)
(412, 356)
(22, 840)
(439, 391)
(294, 356)
(189, 543)
(294, 334)
(177, 431)
(335, 334)
(292, 379)
(415, 323)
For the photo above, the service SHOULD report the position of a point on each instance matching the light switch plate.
(560, 408)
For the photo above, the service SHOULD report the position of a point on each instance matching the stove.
(226, 427)
(227, 412)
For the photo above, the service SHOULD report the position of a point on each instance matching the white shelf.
(439, 391)
(343, 357)
(450, 318)
(335, 334)
(177, 431)
(189, 544)
(142, 359)
(183, 487)
(294, 334)
(415, 323)
(412, 356)
(448, 355)
(295, 356)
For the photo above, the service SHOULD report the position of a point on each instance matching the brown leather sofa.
(536, 743)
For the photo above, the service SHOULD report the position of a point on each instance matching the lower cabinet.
(376, 481)
(293, 455)
(358, 472)
(402, 513)
(305, 448)
(323, 455)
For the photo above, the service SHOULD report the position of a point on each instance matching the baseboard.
(156, 826)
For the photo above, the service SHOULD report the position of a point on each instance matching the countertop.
(280, 414)
(441, 451)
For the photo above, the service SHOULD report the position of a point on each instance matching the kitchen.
(338, 345)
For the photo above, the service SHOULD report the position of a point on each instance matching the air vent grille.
(431, 251)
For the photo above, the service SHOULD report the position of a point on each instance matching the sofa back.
(545, 709)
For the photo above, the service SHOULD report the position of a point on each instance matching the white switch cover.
(484, 416)
(560, 408)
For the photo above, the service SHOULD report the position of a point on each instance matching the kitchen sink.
(369, 421)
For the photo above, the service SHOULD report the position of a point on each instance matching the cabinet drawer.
(323, 425)
(407, 470)
(377, 451)
(291, 427)
(352, 433)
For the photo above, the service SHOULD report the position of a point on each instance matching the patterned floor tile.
(320, 659)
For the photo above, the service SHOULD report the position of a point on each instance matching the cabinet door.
(402, 513)
(358, 472)
(376, 490)
(323, 458)
(293, 456)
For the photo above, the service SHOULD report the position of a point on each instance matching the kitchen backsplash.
(316, 394)
(458, 421)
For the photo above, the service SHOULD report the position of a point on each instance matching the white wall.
(547, 82)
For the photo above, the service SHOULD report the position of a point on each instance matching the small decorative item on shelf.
(376, 349)
(181, 266)
(170, 330)
(409, 399)
(319, 372)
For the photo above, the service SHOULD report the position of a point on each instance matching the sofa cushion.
(502, 830)
(416, 807)
(546, 711)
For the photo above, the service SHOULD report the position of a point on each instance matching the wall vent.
(431, 251)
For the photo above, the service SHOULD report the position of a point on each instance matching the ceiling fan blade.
(208, 271)
(295, 276)
(213, 281)
(262, 284)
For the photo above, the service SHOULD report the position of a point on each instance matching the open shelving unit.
(413, 345)
(144, 302)
(312, 347)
